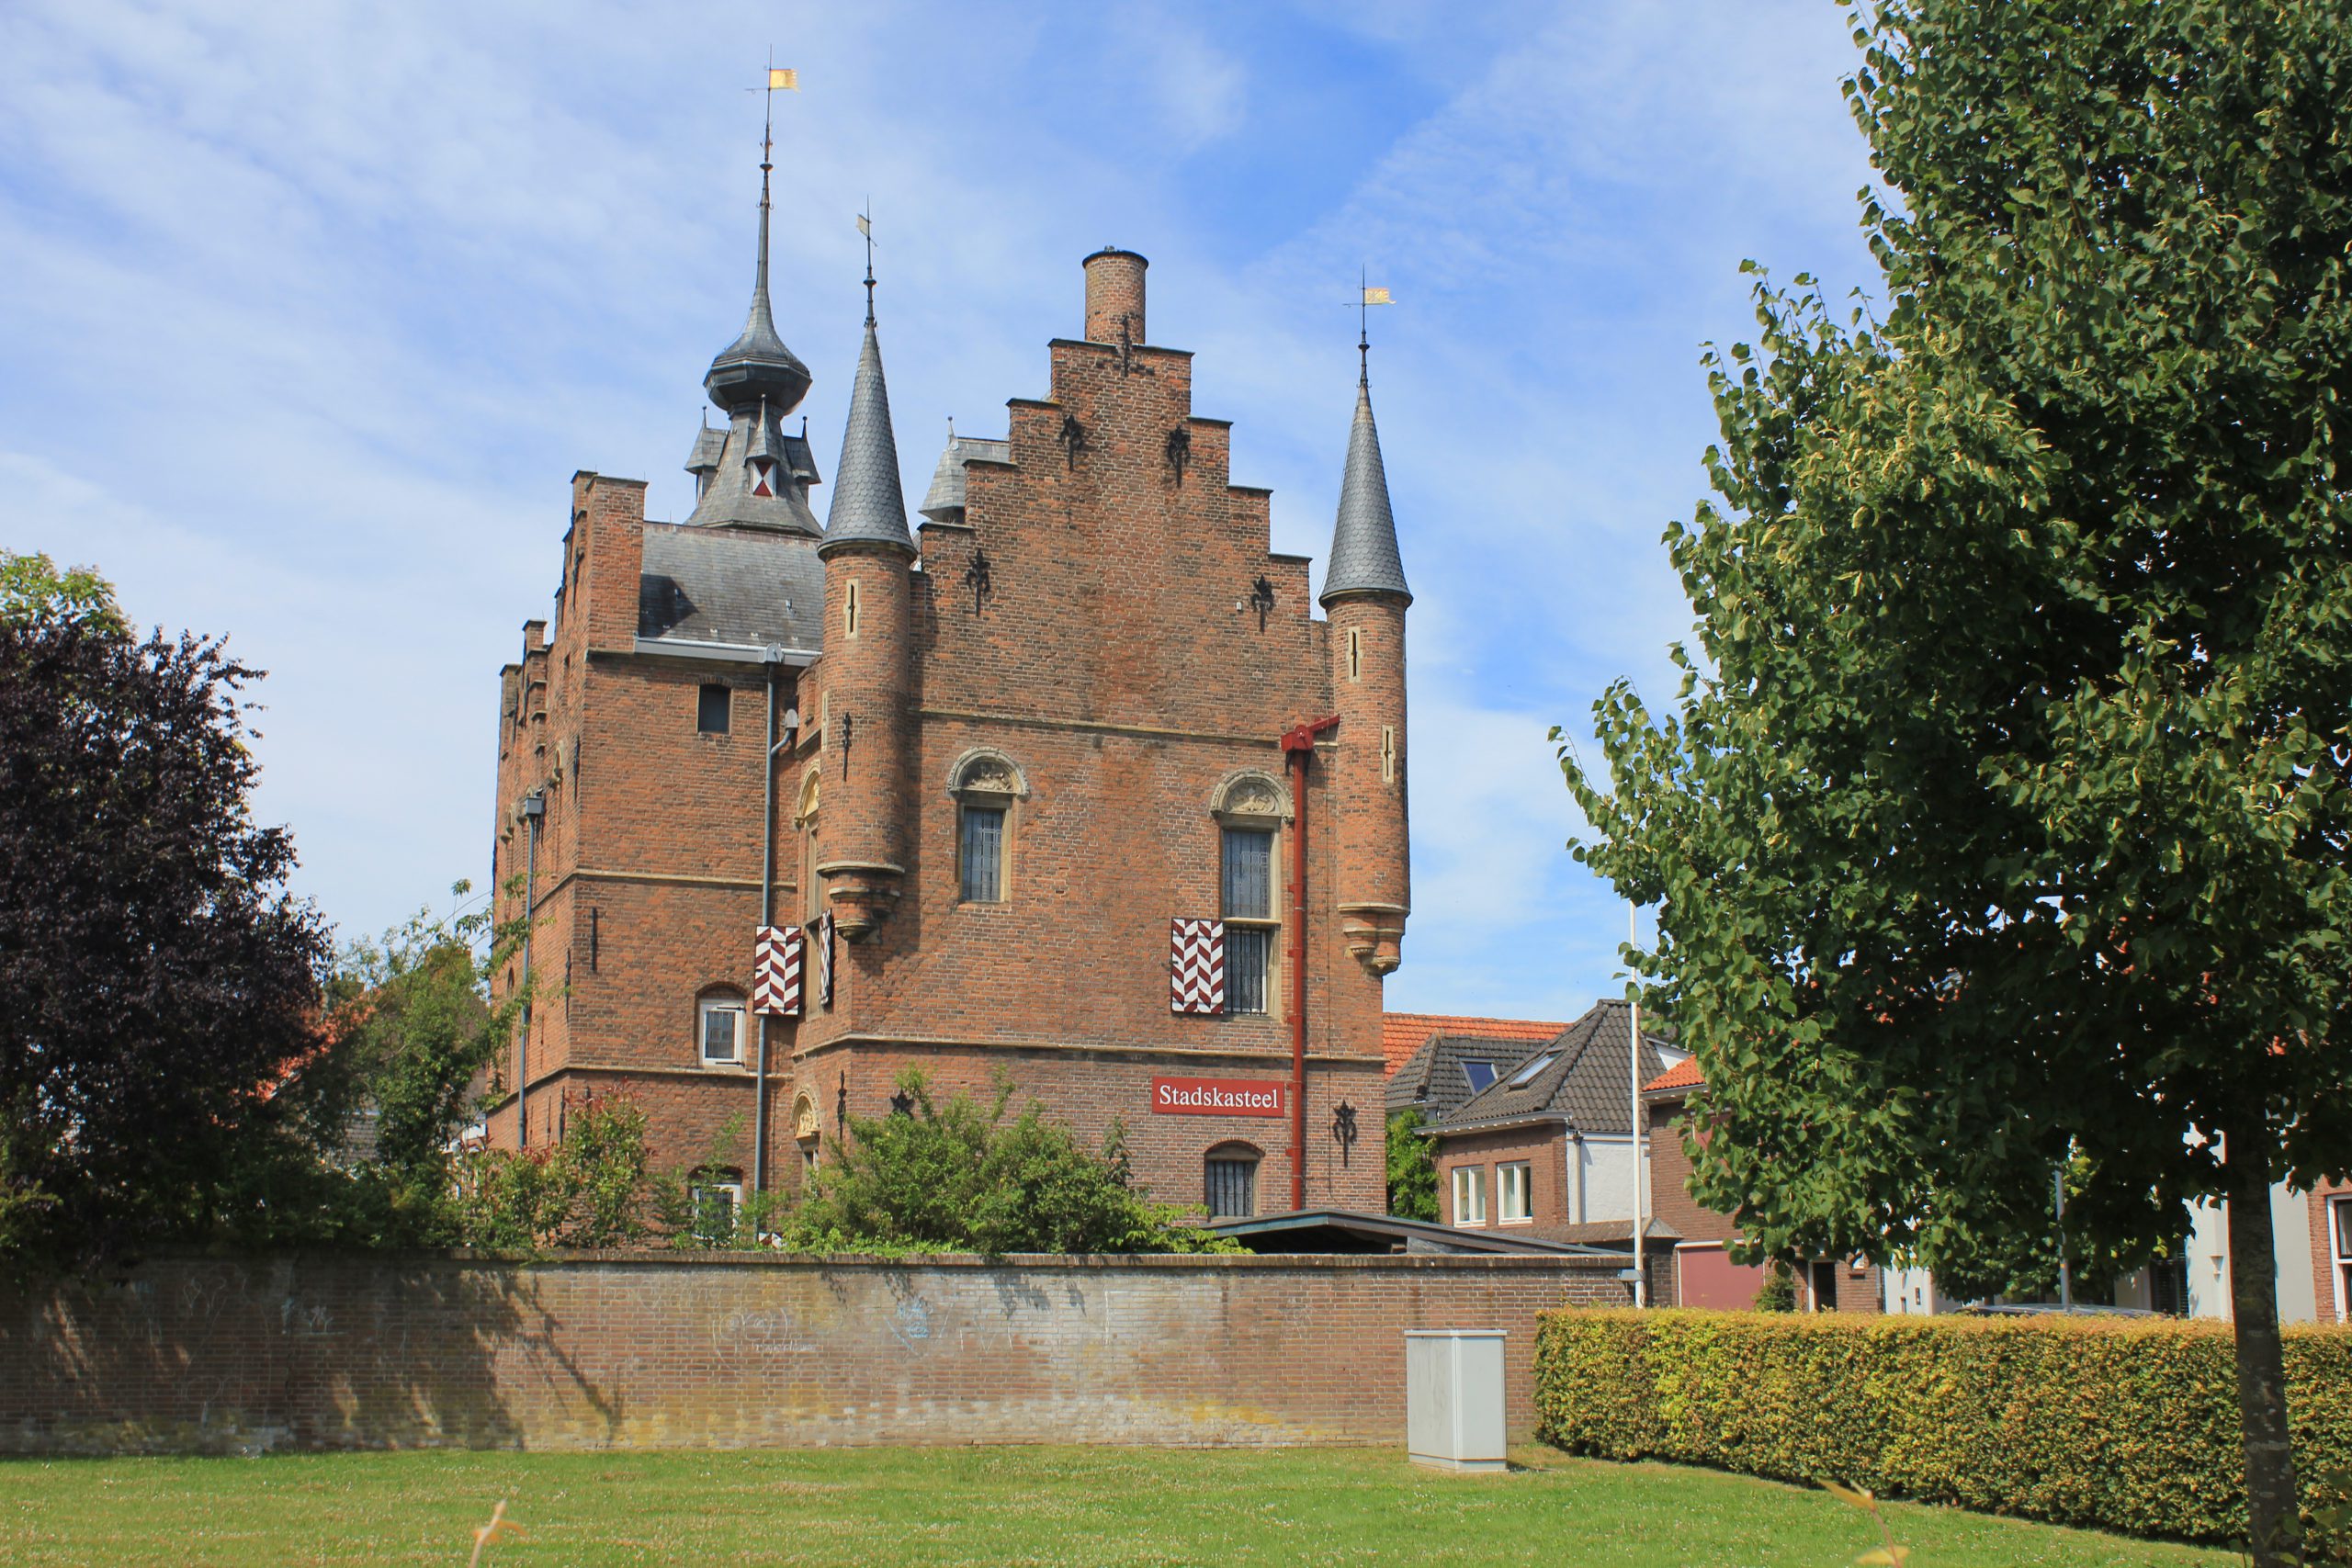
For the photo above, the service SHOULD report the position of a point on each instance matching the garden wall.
(2120, 1425)
(664, 1350)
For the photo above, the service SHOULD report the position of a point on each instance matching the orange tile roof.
(1682, 1075)
(1402, 1033)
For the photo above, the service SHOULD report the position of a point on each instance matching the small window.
(1232, 1185)
(1248, 904)
(716, 1198)
(848, 609)
(1515, 1201)
(1480, 1073)
(979, 854)
(715, 712)
(1469, 1194)
(2339, 1210)
(1355, 655)
(1388, 753)
(1526, 1075)
(722, 1029)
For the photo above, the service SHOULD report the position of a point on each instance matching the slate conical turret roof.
(1364, 540)
(869, 506)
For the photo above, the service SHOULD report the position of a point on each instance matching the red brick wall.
(1117, 662)
(2330, 1293)
(616, 1351)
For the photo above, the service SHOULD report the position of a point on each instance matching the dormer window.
(763, 476)
(1480, 1075)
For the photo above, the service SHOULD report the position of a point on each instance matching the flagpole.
(1641, 1278)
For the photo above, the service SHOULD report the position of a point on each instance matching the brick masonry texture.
(616, 1350)
(1118, 660)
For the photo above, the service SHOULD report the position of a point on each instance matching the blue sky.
(313, 310)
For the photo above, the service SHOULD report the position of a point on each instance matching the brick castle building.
(979, 768)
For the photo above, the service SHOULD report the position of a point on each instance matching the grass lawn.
(999, 1507)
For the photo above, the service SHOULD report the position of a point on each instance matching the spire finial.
(866, 228)
(767, 163)
(1363, 327)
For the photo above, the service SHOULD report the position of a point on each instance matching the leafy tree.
(962, 1178)
(157, 977)
(2002, 821)
(593, 1189)
(32, 591)
(1412, 1169)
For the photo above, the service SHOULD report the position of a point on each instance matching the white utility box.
(1453, 1398)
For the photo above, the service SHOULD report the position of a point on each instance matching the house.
(1704, 1273)
(1540, 1136)
(1021, 786)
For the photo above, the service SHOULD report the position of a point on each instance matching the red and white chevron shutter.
(776, 971)
(1196, 967)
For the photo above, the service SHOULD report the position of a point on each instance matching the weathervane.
(1365, 300)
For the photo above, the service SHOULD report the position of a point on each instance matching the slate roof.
(944, 501)
(1403, 1033)
(1364, 537)
(730, 585)
(1434, 1082)
(868, 506)
(1586, 1082)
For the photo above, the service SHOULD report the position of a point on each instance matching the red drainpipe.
(1298, 745)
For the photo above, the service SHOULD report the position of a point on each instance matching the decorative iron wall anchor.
(1344, 1130)
(1261, 599)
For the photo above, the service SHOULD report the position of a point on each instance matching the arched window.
(1250, 808)
(718, 1026)
(987, 787)
(1230, 1184)
(812, 892)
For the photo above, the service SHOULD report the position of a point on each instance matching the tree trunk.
(2275, 1527)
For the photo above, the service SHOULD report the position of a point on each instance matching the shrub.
(2120, 1425)
(963, 1178)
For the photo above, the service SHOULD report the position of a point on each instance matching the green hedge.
(2118, 1425)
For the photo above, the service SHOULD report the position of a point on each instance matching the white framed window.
(720, 1028)
(1469, 1194)
(2339, 1218)
(1515, 1197)
(716, 1201)
(1247, 887)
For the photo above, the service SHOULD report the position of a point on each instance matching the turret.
(1365, 597)
(754, 474)
(867, 670)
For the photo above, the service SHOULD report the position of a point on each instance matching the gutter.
(725, 652)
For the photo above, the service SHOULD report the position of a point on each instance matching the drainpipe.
(535, 811)
(1298, 745)
(1576, 1176)
(767, 894)
(767, 908)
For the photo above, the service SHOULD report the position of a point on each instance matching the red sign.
(1216, 1096)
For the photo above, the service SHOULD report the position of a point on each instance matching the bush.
(2120, 1425)
(964, 1179)
(591, 1189)
(1413, 1169)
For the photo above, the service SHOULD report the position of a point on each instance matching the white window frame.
(716, 1002)
(1469, 1196)
(696, 1191)
(2339, 1227)
(1515, 1180)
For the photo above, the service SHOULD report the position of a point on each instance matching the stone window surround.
(984, 776)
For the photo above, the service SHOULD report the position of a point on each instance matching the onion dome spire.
(1365, 558)
(870, 507)
(757, 365)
